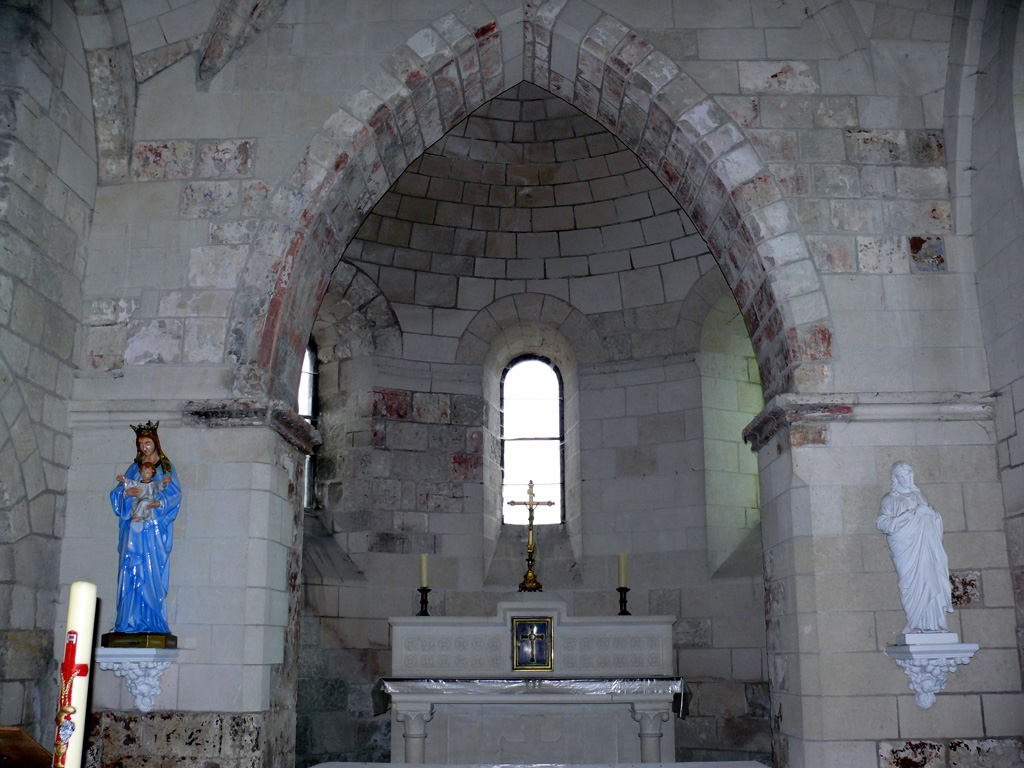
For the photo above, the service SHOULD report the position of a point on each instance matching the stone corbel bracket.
(140, 669)
(928, 664)
(247, 412)
(806, 418)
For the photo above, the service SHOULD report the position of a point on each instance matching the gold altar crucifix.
(530, 583)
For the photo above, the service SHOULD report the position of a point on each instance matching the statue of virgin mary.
(914, 531)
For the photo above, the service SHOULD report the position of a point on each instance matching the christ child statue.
(142, 505)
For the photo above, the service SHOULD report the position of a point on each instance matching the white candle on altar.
(622, 569)
(424, 576)
(81, 617)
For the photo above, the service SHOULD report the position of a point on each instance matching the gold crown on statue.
(149, 428)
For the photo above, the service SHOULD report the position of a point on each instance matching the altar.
(532, 685)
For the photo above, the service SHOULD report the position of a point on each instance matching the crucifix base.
(530, 583)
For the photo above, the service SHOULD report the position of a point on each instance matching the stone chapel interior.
(769, 248)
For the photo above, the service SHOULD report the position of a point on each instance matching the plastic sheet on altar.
(610, 689)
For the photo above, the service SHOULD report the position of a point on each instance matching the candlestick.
(622, 601)
(622, 570)
(424, 575)
(74, 676)
(424, 591)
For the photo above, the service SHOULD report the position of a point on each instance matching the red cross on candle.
(68, 671)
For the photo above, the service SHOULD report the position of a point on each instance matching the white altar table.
(542, 719)
(468, 690)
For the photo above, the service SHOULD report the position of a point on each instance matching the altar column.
(650, 717)
(414, 719)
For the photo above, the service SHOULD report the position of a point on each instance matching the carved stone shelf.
(927, 658)
(140, 668)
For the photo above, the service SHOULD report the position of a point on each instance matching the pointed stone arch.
(610, 72)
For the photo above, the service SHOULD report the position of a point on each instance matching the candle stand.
(423, 601)
(622, 601)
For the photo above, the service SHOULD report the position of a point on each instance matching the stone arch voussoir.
(422, 90)
(697, 150)
(592, 60)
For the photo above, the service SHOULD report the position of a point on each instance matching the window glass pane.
(537, 460)
(531, 403)
(530, 418)
(531, 441)
(306, 386)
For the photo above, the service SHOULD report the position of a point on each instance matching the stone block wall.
(47, 186)
(237, 545)
(832, 600)
(121, 739)
(997, 228)
(859, 280)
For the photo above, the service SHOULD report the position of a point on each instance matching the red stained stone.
(378, 434)
(965, 589)
(669, 175)
(809, 343)
(585, 97)
(755, 193)
(613, 87)
(608, 114)
(490, 57)
(469, 64)
(486, 30)
(772, 327)
(391, 403)
(686, 195)
(466, 468)
(719, 235)
(763, 302)
(808, 434)
(742, 291)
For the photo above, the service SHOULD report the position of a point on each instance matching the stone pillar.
(832, 602)
(414, 719)
(650, 717)
(234, 571)
(48, 182)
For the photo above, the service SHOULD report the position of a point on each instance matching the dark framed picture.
(531, 643)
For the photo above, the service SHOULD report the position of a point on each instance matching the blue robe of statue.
(144, 556)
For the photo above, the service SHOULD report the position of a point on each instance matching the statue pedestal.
(927, 658)
(140, 668)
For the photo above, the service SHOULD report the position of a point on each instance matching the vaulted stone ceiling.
(530, 195)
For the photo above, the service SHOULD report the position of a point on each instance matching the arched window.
(308, 407)
(532, 439)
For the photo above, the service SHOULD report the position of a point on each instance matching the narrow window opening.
(532, 439)
(308, 409)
